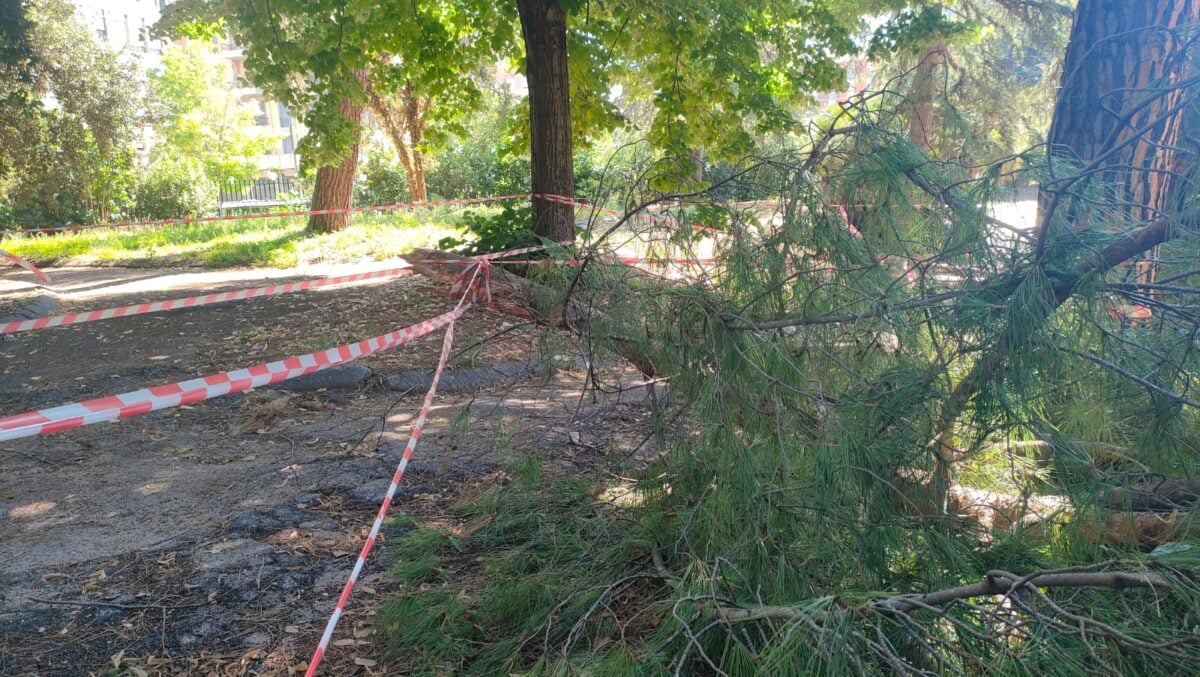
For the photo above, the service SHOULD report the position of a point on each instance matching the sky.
(113, 13)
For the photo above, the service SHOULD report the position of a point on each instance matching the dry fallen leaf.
(365, 662)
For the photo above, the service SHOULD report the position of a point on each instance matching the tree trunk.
(406, 131)
(414, 122)
(1119, 108)
(334, 188)
(1116, 126)
(921, 109)
(544, 26)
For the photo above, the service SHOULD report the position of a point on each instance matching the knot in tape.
(474, 282)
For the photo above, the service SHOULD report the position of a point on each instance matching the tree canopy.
(203, 124)
(709, 66)
(68, 108)
(718, 72)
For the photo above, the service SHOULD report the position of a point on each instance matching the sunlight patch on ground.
(274, 242)
(32, 509)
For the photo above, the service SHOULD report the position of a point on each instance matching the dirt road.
(216, 536)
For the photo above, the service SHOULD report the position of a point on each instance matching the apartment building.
(125, 26)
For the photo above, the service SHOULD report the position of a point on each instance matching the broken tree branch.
(521, 297)
(993, 583)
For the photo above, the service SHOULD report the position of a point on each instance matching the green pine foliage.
(803, 479)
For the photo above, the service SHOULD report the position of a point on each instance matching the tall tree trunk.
(414, 122)
(544, 26)
(1118, 115)
(406, 129)
(921, 107)
(334, 188)
(1119, 109)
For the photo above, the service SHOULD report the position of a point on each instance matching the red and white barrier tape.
(222, 297)
(479, 273)
(26, 265)
(115, 407)
(620, 260)
(193, 301)
(414, 437)
(399, 206)
(614, 212)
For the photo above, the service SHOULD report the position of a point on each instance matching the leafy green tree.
(482, 161)
(979, 75)
(718, 71)
(16, 52)
(67, 113)
(203, 126)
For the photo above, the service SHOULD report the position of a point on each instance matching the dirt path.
(216, 536)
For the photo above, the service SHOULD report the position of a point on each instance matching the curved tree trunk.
(334, 187)
(544, 26)
(414, 122)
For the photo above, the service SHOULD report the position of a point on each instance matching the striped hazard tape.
(116, 407)
(612, 261)
(478, 272)
(194, 301)
(26, 265)
(614, 212)
(223, 297)
(414, 437)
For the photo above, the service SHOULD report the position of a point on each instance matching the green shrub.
(474, 169)
(382, 182)
(508, 229)
(174, 192)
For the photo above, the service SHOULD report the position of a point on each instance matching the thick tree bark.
(544, 26)
(1119, 108)
(334, 187)
(1117, 119)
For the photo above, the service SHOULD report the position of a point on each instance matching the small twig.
(114, 605)
(31, 457)
(1124, 373)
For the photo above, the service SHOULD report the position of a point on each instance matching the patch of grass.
(271, 242)
(532, 575)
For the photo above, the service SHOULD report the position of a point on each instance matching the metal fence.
(262, 191)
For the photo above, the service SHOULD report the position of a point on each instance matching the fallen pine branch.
(518, 296)
(1166, 495)
(993, 583)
